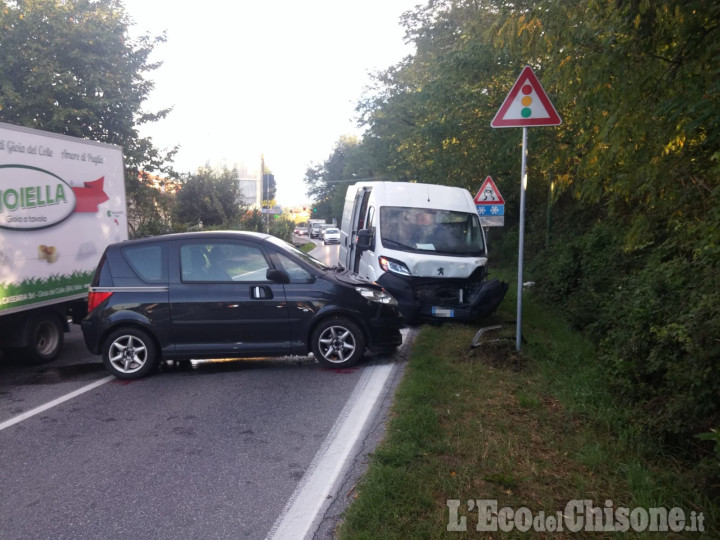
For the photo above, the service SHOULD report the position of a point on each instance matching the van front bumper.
(433, 299)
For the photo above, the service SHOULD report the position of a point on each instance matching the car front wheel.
(338, 343)
(129, 353)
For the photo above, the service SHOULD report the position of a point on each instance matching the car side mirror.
(277, 276)
(364, 238)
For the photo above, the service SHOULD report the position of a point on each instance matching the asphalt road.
(216, 450)
(327, 254)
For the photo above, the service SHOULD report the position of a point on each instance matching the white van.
(424, 244)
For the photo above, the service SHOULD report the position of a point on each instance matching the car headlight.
(396, 267)
(375, 295)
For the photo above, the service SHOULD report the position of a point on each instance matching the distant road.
(327, 254)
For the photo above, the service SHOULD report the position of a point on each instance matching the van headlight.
(396, 267)
(375, 295)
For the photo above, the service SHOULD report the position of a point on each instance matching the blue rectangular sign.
(490, 209)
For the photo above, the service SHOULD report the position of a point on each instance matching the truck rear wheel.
(45, 338)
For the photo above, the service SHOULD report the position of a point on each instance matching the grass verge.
(534, 429)
(307, 247)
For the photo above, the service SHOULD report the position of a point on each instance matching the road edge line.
(313, 494)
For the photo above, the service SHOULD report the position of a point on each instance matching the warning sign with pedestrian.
(490, 204)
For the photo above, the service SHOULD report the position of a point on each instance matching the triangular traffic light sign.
(526, 105)
(489, 193)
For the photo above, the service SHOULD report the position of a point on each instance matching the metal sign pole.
(521, 240)
(526, 105)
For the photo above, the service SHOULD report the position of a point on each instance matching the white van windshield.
(430, 230)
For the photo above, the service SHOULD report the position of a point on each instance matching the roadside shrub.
(652, 310)
(664, 345)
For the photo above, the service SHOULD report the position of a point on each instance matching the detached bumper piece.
(384, 332)
(436, 300)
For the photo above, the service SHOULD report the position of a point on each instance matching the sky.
(272, 78)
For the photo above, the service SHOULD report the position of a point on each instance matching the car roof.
(198, 235)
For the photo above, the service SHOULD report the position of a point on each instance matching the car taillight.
(97, 298)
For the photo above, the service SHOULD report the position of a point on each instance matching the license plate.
(442, 312)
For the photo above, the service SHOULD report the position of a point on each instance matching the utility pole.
(265, 194)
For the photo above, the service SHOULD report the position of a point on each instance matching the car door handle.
(261, 292)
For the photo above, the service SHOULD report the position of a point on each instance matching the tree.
(635, 168)
(327, 183)
(428, 117)
(252, 219)
(210, 198)
(281, 226)
(71, 67)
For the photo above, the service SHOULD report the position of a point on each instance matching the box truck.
(424, 244)
(315, 227)
(62, 201)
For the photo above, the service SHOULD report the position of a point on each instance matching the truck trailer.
(62, 201)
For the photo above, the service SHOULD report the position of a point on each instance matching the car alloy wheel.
(338, 342)
(129, 353)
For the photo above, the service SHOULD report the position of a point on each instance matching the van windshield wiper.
(393, 243)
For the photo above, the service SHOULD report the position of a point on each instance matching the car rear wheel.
(338, 342)
(129, 353)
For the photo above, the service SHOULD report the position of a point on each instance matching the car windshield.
(332, 231)
(309, 259)
(427, 229)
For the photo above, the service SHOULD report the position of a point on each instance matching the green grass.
(532, 429)
(307, 248)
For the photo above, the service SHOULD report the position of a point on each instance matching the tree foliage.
(209, 198)
(72, 67)
(631, 179)
(327, 183)
(281, 226)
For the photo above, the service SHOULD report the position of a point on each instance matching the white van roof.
(415, 195)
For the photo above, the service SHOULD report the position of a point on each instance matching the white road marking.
(49, 405)
(312, 496)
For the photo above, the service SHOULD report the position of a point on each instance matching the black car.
(229, 294)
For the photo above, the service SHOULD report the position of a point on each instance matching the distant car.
(229, 294)
(331, 236)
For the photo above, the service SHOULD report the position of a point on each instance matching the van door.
(357, 222)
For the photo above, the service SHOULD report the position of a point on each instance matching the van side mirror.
(277, 276)
(364, 238)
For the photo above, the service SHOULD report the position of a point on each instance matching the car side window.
(147, 262)
(222, 261)
(296, 272)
